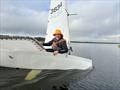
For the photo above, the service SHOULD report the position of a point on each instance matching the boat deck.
(20, 44)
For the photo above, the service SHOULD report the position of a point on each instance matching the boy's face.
(57, 36)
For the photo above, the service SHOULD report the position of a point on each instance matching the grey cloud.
(95, 19)
(22, 20)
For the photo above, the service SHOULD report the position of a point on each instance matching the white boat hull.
(27, 54)
(43, 60)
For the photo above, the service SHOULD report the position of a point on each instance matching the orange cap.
(57, 32)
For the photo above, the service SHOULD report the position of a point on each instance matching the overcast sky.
(96, 19)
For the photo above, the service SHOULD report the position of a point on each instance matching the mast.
(69, 43)
(68, 14)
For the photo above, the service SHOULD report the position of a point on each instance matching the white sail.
(57, 19)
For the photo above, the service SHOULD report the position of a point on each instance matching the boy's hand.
(55, 53)
(54, 44)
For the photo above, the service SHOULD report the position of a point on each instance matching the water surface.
(104, 76)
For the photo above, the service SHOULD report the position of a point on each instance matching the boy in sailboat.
(58, 43)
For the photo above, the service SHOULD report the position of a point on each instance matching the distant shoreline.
(20, 37)
(94, 42)
(43, 39)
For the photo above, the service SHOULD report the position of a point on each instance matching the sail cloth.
(58, 19)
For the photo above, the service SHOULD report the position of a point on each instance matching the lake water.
(104, 76)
